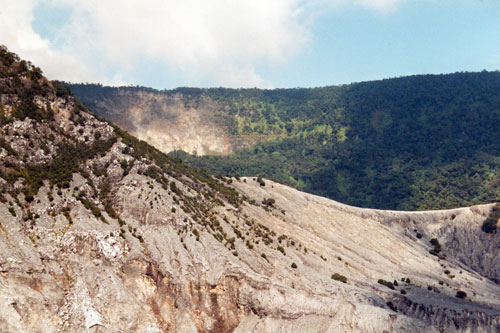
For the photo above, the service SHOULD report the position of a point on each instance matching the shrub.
(490, 224)
(434, 242)
(110, 210)
(437, 247)
(339, 277)
(269, 202)
(12, 211)
(294, 265)
(61, 90)
(386, 283)
(281, 238)
(66, 213)
(174, 188)
(433, 252)
(392, 306)
(96, 211)
(461, 294)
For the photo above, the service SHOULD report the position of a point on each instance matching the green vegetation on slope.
(490, 224)
(420, 142)
(23, 84)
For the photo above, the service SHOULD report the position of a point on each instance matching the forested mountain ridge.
(418, 142)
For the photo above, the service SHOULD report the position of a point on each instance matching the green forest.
(417, 142)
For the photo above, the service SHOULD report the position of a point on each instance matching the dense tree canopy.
(419, 142)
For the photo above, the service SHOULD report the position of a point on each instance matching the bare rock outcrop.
(86, 277)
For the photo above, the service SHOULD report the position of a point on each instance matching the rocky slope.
(100, 232)
(169, 121)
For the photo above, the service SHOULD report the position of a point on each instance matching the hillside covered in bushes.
(419, 142)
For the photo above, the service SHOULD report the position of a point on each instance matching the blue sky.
(240, 43)
(420, 37)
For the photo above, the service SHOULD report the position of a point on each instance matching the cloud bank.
(222, 40)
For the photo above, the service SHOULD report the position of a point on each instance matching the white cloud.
(380, 6)
(220, 39)
(383, 6)
(17, 34)
(223, 40)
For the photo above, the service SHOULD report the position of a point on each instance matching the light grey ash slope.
(85, 277)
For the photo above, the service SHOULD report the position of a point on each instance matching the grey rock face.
(86, 277)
